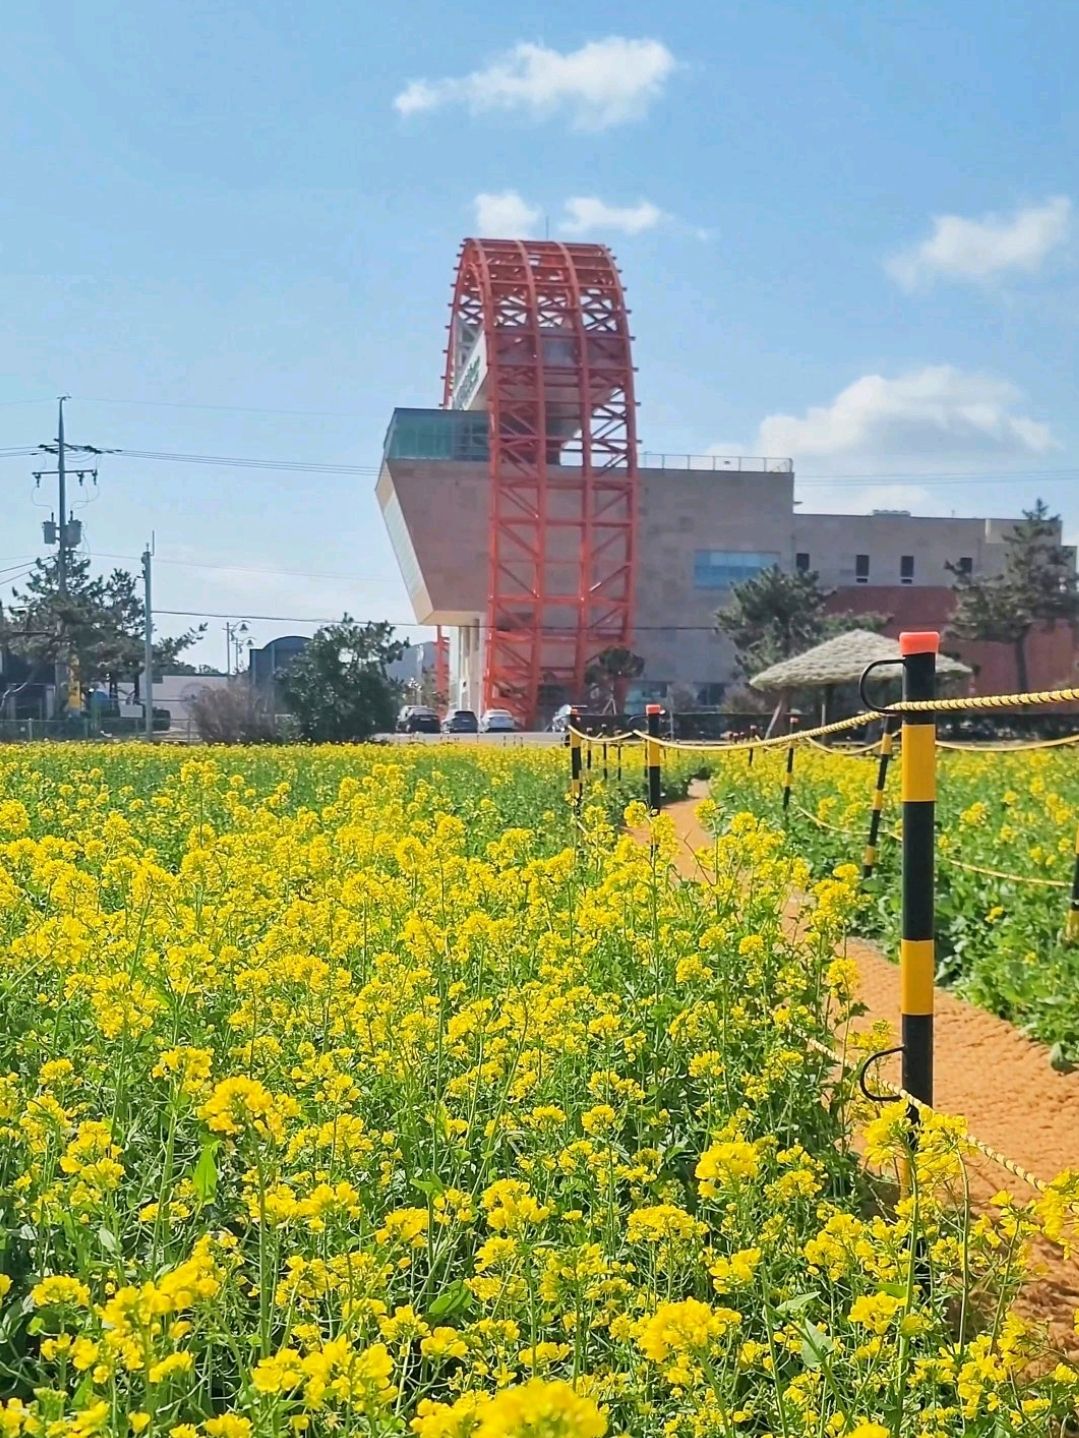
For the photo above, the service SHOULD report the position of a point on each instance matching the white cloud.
(982, 249)
(604, 83)
(585, 213)
(506, 216)
(920, 418)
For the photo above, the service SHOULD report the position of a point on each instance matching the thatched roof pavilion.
(841, 660)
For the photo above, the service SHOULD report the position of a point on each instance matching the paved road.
(532, 739)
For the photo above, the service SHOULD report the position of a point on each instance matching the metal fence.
(715, 463)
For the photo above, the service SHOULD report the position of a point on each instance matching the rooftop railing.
(734, 464)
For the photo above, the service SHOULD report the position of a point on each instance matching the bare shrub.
(237, 714)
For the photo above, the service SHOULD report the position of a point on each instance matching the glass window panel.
(438, 434)
(723, 568)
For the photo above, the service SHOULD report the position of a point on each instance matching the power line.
(843, 479)
(229, 568)
(224, 408)
(553, 629)
(240, 462)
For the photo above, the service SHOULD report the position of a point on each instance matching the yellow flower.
(540, 1409)
(228, 1425)
(727, 1163)
(664, 1223)
(875, 1311)
(444, 1343)
(173, 1363)
(686, 1327)
(58, 1290)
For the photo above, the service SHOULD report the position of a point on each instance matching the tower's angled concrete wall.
(699, 532)
(436, 516)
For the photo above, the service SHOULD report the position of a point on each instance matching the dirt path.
(988, 1071)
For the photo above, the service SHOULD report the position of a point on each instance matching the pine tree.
(776, 615)
(97, 626)
(337, 689)
(1036, 587)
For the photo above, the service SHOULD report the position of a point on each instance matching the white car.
(497, 721)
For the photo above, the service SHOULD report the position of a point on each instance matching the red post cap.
(919, 641)
(653, 709)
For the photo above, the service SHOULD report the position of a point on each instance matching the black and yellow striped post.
(575, 785)
(618, 760)
(788, 773)
(1071, 928)
(606, 768)
(917, 950)
(752, 745)
(887, 744)
(653, 757)
(588, 754)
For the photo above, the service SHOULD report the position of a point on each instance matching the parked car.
(497, 721)
(460, 721)
(417, 719)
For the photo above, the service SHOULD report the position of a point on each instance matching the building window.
(801, 562)
(723, 568)
(966, 564)
(861, 569)
(906, 569)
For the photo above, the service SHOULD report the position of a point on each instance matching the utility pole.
(61, 676)
(61, 473)
(65, 533)
(148, 644)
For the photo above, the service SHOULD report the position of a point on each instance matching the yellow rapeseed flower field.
(1002, 940)
(375, 1092)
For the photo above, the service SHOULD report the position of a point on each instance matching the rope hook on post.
(863, 1068)
(869, 859)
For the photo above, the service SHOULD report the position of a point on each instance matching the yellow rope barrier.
(732, 746)
(994, 1155)
(824, 824)
(847, 751)
(987, 701)
(1017, 748)
(868, 716)
(1000, 874)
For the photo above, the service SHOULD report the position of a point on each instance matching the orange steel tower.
(539, 338)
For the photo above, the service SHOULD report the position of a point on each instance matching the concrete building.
(527, 521)
(701, 531)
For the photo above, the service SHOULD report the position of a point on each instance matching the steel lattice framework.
(539, 337)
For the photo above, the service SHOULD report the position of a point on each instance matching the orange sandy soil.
(989, 1072)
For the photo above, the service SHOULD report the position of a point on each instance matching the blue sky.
(847, 233)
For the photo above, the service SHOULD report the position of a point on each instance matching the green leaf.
(429, 1187)
(107, 1239)
(204, 1176)
(1059, 1059)
(83, 1391)
(451, 1302)
(797, 1303)
(816, 1345)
